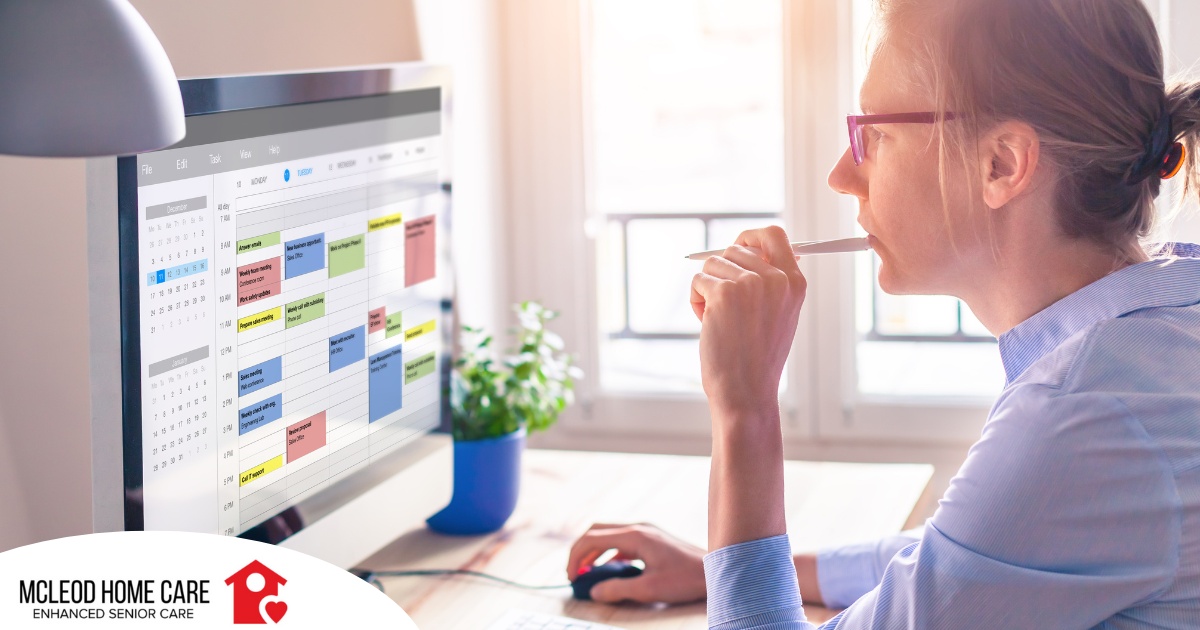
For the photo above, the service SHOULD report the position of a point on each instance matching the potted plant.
(493, 407)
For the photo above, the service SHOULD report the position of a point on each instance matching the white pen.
(805, 248)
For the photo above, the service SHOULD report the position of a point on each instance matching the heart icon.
(276, 610)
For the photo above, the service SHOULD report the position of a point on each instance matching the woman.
(1020, 177)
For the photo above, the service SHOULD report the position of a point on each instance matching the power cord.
(372, 577)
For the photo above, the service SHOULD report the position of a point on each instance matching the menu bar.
(196, 161)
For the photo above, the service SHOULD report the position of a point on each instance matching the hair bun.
(1160, 149)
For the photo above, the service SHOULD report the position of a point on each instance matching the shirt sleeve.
(849, 572)
(753, 585)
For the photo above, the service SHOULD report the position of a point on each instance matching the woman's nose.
(847, 178)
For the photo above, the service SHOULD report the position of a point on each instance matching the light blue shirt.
(1079, 507)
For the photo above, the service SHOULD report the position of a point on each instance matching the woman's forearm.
(806, 575)
(745, 499)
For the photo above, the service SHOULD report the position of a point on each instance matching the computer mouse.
(589, 577)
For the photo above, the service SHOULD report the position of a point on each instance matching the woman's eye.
(871, 137)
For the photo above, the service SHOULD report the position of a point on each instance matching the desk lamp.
(83, 78)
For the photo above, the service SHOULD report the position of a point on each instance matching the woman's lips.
(872, 241)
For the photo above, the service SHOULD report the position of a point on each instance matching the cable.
(372, 577)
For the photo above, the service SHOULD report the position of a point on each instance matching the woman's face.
(898, 189)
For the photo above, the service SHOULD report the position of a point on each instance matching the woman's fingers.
(759, 254)
(718, 271)
(773, 242)
(596, 541)
(703, 286)
(635, 589)
(751, 260)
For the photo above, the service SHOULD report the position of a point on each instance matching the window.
(686, 151)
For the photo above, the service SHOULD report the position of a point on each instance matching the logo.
(256, 594)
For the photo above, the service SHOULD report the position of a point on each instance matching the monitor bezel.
(214, 95)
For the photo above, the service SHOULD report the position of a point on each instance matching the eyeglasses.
(855, 124)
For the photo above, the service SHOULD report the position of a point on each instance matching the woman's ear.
(1008, 158)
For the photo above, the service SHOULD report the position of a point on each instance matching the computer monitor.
(269, 313)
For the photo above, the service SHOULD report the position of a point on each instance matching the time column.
(225, 257)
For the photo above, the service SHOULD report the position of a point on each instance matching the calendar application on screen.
(288, 315)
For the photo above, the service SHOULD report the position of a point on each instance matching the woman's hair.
(1087, 75)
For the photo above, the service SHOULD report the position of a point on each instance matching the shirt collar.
(1170, 281)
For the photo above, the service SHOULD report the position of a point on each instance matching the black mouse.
(582, 586)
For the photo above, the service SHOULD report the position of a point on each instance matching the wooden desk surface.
(563, 492)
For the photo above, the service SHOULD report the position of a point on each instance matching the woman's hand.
(674, 569)
(748, 304)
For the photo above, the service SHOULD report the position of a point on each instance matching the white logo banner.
(182, 580)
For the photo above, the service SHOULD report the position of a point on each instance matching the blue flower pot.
(487, 477)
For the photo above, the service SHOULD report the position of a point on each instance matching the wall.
(44, 377)
(218, 37)
(13, 531)
(45, 441)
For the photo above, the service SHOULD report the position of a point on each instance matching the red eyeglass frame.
(855, 124)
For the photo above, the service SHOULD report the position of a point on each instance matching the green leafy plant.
(529, 388)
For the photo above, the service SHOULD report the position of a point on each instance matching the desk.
(563, 492)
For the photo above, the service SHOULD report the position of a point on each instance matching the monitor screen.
(283, 294)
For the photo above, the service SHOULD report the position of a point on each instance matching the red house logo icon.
(256, 594)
